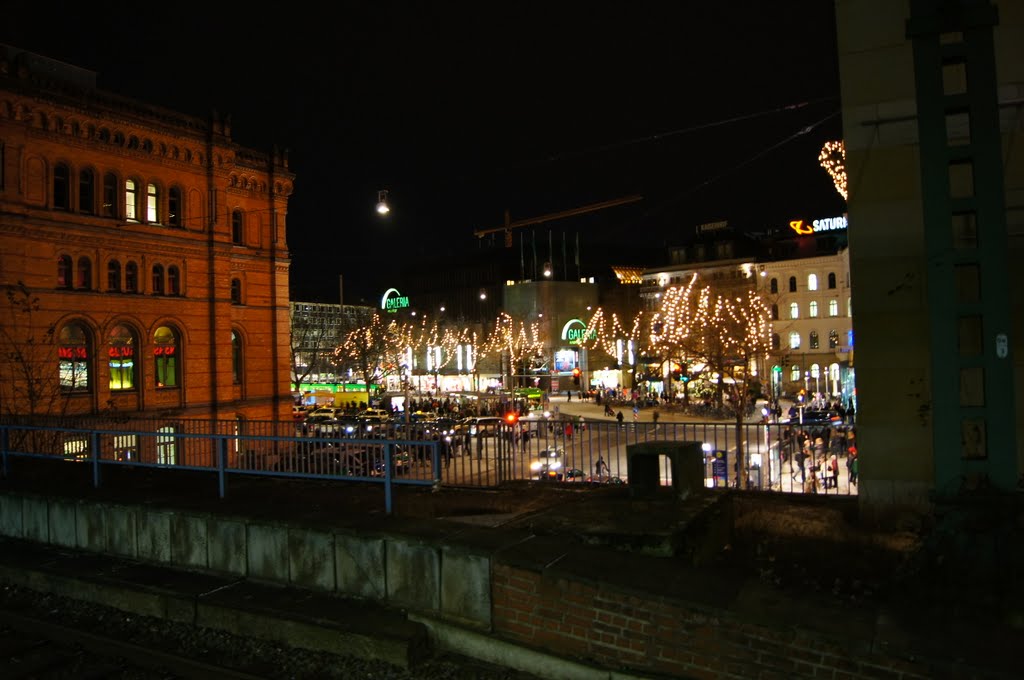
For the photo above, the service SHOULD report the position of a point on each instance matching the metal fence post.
(222, 463)
(3, 448)
(387, 477)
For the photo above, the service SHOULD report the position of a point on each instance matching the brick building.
(143, 255)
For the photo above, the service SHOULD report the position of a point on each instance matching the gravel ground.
(244, 654)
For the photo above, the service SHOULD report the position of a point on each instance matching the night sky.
(710, 111)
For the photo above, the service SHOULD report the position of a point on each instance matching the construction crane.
(550, 217)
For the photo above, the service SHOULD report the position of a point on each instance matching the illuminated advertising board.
(818, 226)
(393, 301)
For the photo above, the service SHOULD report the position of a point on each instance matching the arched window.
(794, 310)
(775, 312)
(173, 280)
(774, 286)
(812, 282)
(87, 192)
(794, 340)
(833, 307)
(109, 195)
(152, 204)
(174, 207)
(812, 309)
(815, 371)
(158, 279)
(776, 341)
(812, 340)
(61, 187)
(236, 291)
(236, 358)
(84, 279)
(114, 276)
(237, 233)
(794, 373)
(831, 279)
(121, 355)
(833, 339)
(166, 357)
(131, 200)
(131, 278)
(73, 355)
(64, 273)
(792, 284)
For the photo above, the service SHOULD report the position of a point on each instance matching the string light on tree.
(833, 159)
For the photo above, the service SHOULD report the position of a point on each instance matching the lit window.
(849, 307)
(833, 339)
(812, 282)
(121, 356)
(130, 198)
(794, 310)
(812, 340)
(812, 309)
(815, 371)
(152, 204)
(833, 307)
(73, 353)
(165, 355)
(794, 340)
(794, 373)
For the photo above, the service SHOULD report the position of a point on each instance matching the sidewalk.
(594, 412)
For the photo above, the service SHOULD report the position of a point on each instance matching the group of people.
(815, 466)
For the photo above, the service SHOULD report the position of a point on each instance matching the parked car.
(482, 426)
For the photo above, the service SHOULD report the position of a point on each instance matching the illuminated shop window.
(73, 355)
(121, 355)
(165, 355)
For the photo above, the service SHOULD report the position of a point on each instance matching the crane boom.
(592, 207)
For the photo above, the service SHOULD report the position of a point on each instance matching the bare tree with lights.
(374, 351)
(516, 340)
(624, 340)
(439, 343)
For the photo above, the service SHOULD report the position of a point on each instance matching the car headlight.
(536, 465)
(555, 465)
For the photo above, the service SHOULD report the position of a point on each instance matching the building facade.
(143, 254)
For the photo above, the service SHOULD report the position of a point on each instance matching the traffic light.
(677, 373)
(511, 417)
(576, 375)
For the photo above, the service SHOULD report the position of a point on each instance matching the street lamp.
(382, 202)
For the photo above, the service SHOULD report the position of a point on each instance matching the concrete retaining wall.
(449, 582)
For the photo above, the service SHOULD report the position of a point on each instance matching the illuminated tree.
(374, 351)
(517, 341)
(437, 344)
(623, 340)
(833, 159)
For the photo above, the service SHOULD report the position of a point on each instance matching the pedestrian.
(600, 467)
(799, 461)
(618, 417)
(852, 464)
(833, 468)
(654, 417)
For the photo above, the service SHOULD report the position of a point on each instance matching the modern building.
(143, 254)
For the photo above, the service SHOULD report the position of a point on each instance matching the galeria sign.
(393, 301)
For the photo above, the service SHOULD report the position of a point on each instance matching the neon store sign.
(818, 226)
(575, 332)
(393, 301)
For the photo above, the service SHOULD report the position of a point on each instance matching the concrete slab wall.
(413, 573)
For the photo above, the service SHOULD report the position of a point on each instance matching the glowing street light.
(382, 202)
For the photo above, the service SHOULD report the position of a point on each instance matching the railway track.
(34, 648)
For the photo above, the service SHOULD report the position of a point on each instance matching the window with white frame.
(794, 340)
(812, 309)
(794, 310)
(833, 307)
(812, 282)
